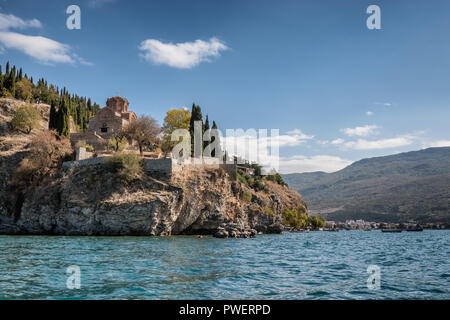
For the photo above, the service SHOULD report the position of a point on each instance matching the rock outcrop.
(90, 201)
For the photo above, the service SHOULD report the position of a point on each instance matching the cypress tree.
(196, 115)
(52, 122)
(12, 82)
(206, 126)
(214, 127)
(63, 122)
(205, 129)
(7, 68)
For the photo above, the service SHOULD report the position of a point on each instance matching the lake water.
(314, 265)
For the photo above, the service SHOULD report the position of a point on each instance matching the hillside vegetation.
(412, 186)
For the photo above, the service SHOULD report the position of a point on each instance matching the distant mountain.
(412, 186)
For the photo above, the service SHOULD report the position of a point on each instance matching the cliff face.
(91, 201)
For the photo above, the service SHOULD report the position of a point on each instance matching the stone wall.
(209, 163)
(82, 154)
(87, 162)
(160, 168)
(90, 138)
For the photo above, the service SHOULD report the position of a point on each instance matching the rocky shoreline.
(89, 201)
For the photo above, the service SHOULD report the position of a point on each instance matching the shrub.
(242, 179)
(246, 196)
(117, 143)
(5, 93)
(47, 152)
(127, 166)
(297, 219)
(26, 118)
(268, 211)
(276, 178)
(80, 144)
(317, 222)
(258, 185)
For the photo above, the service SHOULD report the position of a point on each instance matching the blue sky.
(337, 91)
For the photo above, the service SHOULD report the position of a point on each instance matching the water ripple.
(314, 265)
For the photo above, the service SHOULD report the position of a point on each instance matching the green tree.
(23, 90)
(26, 118)
(175, 119)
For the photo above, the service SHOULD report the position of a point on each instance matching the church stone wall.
(161, 168)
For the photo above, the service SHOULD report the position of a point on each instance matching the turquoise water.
(314, 265)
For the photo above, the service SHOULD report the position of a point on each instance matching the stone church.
(108, 120)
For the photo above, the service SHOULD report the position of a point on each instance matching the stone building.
(108, 120)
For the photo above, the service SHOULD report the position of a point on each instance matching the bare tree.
(144, 131)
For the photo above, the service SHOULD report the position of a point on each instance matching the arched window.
(104, 127)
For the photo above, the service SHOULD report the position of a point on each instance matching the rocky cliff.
(92, 201)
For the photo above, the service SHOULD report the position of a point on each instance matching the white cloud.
(299, 135)
(362, 144)
(360, 131)
(369, 113)
(439, 143)
(310, 164)
(10, 21)
(338, 141)
(184, 55)
(99, 3)
(43, 49)
(386, 104)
